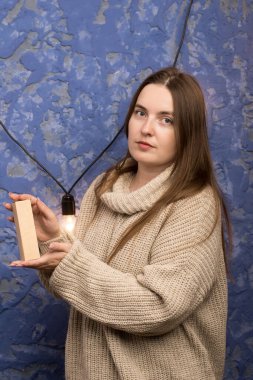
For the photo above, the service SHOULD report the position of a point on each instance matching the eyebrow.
(159, 113)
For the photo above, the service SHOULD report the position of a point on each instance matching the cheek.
(169, 142)
(130, 129)
(130, 134)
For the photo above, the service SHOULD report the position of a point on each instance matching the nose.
(147, 126)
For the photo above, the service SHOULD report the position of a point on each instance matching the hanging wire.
(32, 158)
(183, 33)
(46, 170)
(97, 158)
(114, 138)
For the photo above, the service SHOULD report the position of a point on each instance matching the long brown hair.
(193, 169)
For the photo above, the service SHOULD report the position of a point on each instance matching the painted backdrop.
(67, 71)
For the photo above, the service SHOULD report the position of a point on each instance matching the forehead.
(157, 97)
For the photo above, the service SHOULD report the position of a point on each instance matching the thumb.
(59, 247)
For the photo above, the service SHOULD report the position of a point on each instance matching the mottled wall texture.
(68, 69)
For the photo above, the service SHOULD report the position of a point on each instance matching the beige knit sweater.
(158, 311)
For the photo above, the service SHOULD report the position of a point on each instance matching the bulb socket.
(68, 205)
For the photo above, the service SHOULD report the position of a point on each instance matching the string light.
(68, 218)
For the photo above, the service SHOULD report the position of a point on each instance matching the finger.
(37, 263)
(17, 263)
(22, 197)
(45, 262)
(8, 206)
(59, 247)
(19, 197)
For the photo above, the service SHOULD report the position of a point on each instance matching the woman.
(145, 272)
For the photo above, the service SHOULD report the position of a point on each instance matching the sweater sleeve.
(178, 278)
(88, 208)
(45, 275)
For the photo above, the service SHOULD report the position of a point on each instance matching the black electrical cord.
(114, 138)
(97, 158)
(45, 169)
(32, 158)
(183, 33)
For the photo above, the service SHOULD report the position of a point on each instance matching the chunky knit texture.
(158, 311)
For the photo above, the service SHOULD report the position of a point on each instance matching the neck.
(143, 176)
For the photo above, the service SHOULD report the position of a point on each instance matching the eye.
(140, 113)
(167, 120)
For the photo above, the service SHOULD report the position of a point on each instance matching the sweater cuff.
(66, 265)
(63, 238)
(45, 275)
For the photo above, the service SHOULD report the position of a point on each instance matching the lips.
(144, 143)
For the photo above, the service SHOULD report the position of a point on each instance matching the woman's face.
(151, 135)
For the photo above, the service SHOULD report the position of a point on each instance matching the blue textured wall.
(67, 71)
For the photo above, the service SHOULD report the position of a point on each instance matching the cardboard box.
(25, 228)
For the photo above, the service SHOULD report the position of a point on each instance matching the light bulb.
(68, 218)
(68, 222)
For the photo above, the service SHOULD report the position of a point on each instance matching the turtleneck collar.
(124, 202)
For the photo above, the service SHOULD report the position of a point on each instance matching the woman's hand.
(49, 261)
(46, 223)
